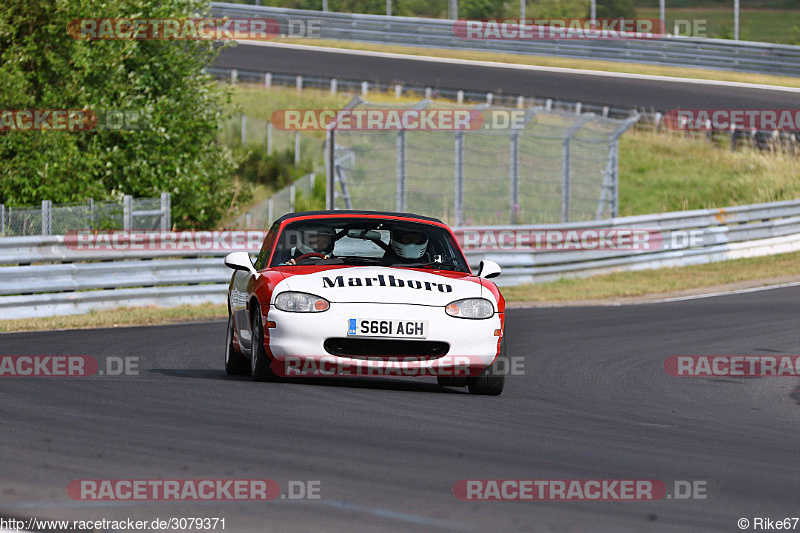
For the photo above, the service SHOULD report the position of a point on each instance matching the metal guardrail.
(63, 280)
(718, 54)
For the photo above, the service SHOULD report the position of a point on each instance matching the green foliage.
(314, 202)
(42, 67)
(277, 170)
(612, 9)
(554, 9)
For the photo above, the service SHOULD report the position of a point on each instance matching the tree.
(160, 81)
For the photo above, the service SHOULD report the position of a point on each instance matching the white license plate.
(369, 327)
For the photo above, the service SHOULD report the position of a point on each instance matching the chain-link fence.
(257, 134)
(299, 196)
(132, 214)
(550, 166)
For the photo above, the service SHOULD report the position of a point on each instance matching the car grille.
(382, 349)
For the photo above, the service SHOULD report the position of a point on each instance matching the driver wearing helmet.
(406, 246)
(315, 240)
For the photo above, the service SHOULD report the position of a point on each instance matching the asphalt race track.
(594, 403)
(596, 89)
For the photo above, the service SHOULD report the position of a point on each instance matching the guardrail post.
(460, 97)
(244, 129)
(296, 147)
(234, 76)
(268, 80)
(364, 89)
(400, 201)
(334, 85)
(398, 91)
(428, 92)
(47, 217)
(459, 179)
(578, 108)
(548, 105)
(269, 138)
(166, 211)
(514, 166)
(489, 98)
(299, 83)
(329, 169)
(127, 213)
(520, 101)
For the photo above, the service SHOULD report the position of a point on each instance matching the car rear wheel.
(493, 378)
(235, 363)
(259, 362)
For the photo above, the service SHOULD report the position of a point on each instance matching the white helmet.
(306, 246)
(409, 244)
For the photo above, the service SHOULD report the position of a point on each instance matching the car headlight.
(301, 302)
(470, 308)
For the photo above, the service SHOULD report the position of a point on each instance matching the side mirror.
(240, 261)
(488, 269)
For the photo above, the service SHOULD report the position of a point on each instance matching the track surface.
(594, 402)
(600, 89)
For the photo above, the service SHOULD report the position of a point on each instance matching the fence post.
(270, 212)
(514, 156)
(292, 196)
(91, 213)
(234, 76)
(460, 97)
(268, 80)
(47, 217)
(565, 181)
(244, 129)
(400, 201)
(334, 85)
(398, 91)
(329, 162)
(166, 211)
(388, 8)
(459, 179)
(428, 93)
(127, 213)
(296, 147)
(269, 138)
(2, 219)
(299, 83)
(615, 182)
(364, 89)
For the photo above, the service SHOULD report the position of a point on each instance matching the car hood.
(385, 285)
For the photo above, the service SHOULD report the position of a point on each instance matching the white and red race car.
(365, 293)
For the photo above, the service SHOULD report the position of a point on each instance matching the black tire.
(493, 378)
(259, 360)
(452, 381)
(235, 363)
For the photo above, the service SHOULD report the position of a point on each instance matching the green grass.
(764, 25)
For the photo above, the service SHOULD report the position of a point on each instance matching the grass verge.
(665, 282)
(124, 316)
(561, 62)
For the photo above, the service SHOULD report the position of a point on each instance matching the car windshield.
(359, 241)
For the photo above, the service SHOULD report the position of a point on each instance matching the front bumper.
(298, 340)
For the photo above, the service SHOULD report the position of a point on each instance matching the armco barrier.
(43, 276)
(719, 54)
